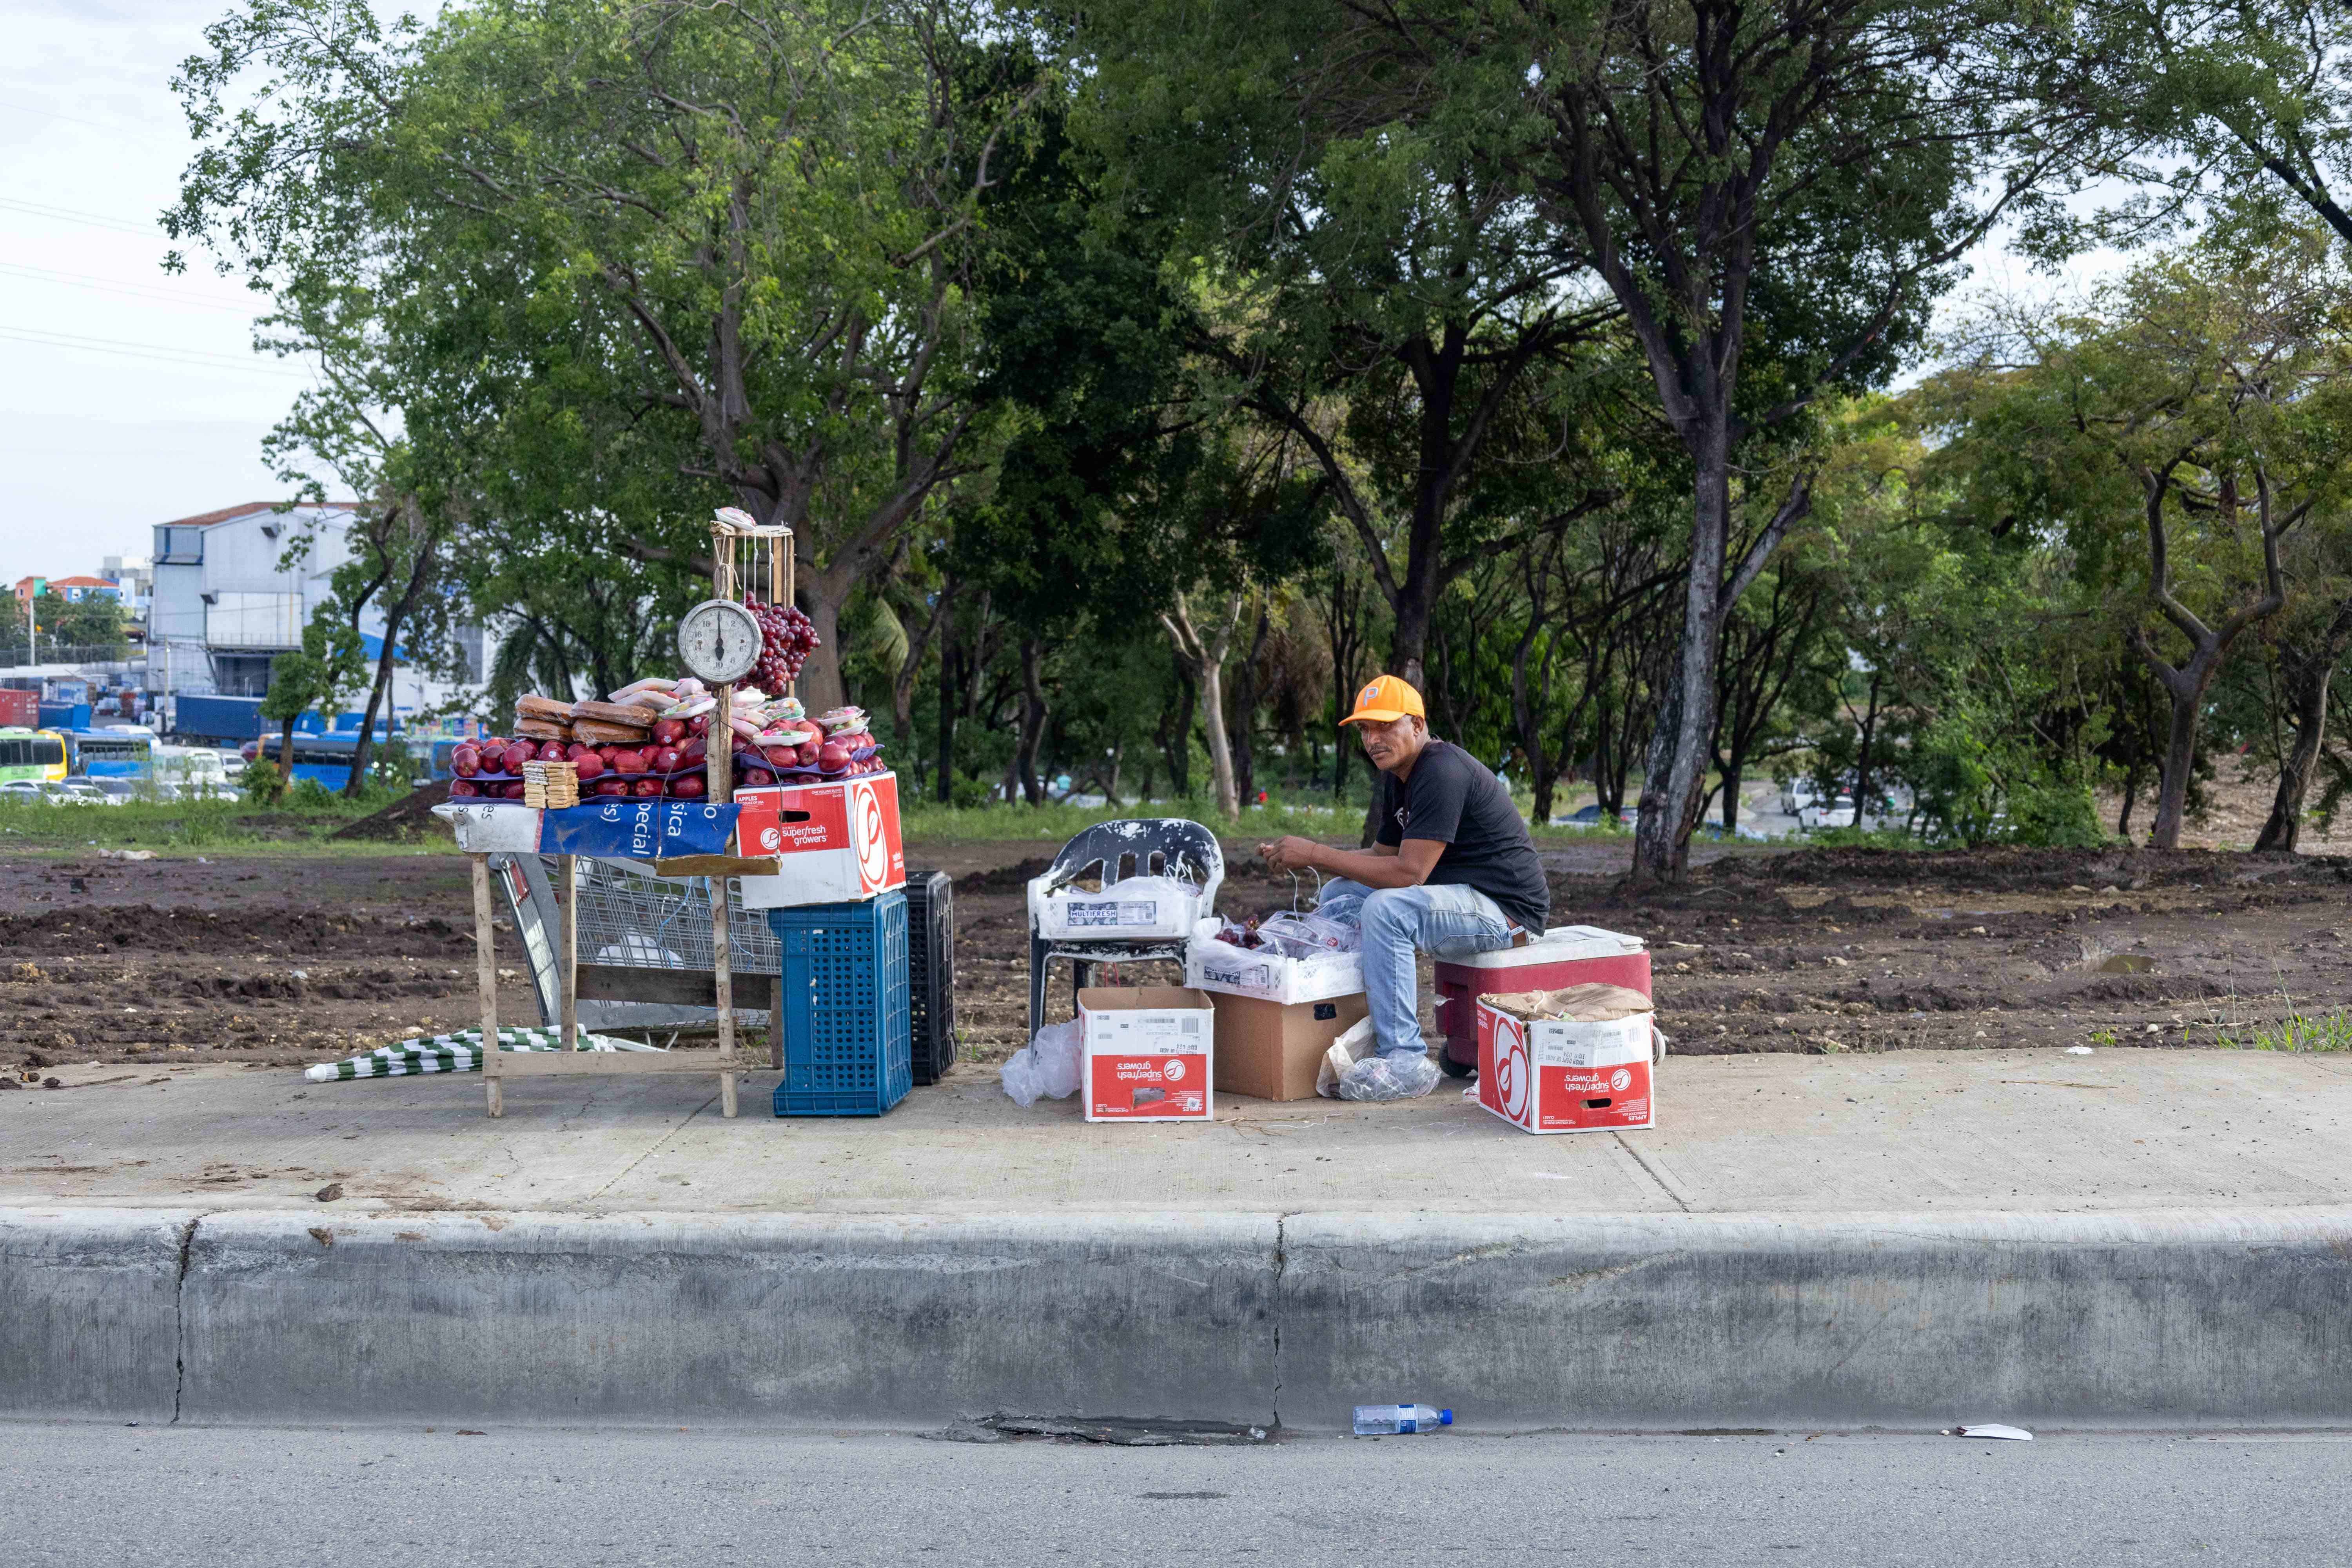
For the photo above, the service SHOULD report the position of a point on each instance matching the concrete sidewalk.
(2140, 1238)
(1907, 1132)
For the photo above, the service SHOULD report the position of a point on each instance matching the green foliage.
(2297, 1031)
(261, 782)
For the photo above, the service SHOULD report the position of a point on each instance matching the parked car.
(1837, 812)
(1592, 816)
(56, 792)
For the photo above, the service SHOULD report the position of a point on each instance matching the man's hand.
(1289, 854)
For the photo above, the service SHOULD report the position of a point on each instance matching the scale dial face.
(719, 641)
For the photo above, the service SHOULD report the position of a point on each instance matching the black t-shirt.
(1451, 798)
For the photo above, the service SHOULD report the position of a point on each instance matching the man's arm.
(1406, 865)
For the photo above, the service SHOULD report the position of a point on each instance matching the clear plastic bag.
(1047, 1066)
(1345, 910)
(1310, 935)
(1400, 1075)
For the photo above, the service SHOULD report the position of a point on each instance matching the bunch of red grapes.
(786, 636)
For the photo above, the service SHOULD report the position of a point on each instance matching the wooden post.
(726, 989)
(776, 1021)
(486, 964)
(567, 955)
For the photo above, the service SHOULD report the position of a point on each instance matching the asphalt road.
(248, 1498)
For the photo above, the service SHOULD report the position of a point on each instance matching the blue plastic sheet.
(638, 829)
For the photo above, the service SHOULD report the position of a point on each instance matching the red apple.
(693, 752)
(668, 731)
(515, 755)
(686, 787)
(579, 749)
(757, 778)
(698, 725)
(665, 760)
(461, 789)
(645, 788)
(490, 746)
(832, 757)
(587, 767)
(810, 753)
(628, 762)
(552, 752)
(465, 761)
(612, 787)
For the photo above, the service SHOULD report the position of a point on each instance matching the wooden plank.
(776, 1025)
(544, 1064)
(718, 866)
(724, 980)
(486, 981)
(622, 983)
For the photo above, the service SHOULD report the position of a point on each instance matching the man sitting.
(1451, 872)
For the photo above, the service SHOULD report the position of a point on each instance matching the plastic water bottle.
(1383, 1420)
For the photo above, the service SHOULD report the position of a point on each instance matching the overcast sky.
(131, 397)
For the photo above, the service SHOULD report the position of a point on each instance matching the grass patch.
(186, 827)
(2295, 1032)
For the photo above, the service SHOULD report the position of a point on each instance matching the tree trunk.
(286, 753)
(821, 683)
(1730, 802)
(2131, 795)
(1245, 717)
(2179, 755)
(1177, 748)
(1684, 726)
(1033, 720)
(950, 704)
(1862, 761)
(2307, 697)
(1204, 657)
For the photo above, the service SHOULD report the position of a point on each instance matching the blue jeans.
(1447, 920)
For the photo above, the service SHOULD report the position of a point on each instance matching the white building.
(234, 588)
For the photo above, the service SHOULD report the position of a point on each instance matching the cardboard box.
(1270, 1049)
(832, 843)
(1561, 957)
(1558, 1075)
(1213, 965)
(1148, 1054)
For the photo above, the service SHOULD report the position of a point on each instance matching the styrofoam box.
(1561, 957)
(1213, 965)
(1559, 1075)
(1149, 1054)
(1137, 907)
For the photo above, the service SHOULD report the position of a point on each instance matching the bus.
(37, 755)
(324, 759)
(110, 753)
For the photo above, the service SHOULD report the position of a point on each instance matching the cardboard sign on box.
(1562, 957)
(1270, 1049)
(1561, 1075)
(1149, 1054)
(832, 843)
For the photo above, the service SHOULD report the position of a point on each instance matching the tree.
(1772, 194)
(748, 225)
(94, 620)
(1370, 289)
(329, 663)
(2199, 412)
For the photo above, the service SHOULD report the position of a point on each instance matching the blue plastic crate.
(847, 1027)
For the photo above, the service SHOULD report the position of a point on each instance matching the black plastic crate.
(930, 971)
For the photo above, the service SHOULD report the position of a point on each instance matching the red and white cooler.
(1561, 957)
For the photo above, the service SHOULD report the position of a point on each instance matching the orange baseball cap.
(1385, 700)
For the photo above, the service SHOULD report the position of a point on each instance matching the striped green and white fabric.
(458, 1052)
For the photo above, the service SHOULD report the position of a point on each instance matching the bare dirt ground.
(284, 960)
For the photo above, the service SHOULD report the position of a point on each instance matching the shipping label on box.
(1134, 907)
(834, 843)
(1558, 1075)
(1148, 1054)
(1213, 965)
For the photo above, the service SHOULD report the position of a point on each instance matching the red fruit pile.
(786, 638)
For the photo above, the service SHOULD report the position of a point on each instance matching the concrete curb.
(1516, 1322)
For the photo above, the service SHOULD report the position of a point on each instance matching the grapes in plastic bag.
(1399, 1075)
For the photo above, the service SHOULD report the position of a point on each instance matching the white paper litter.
(2014, 1433)
(2078, 1050)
